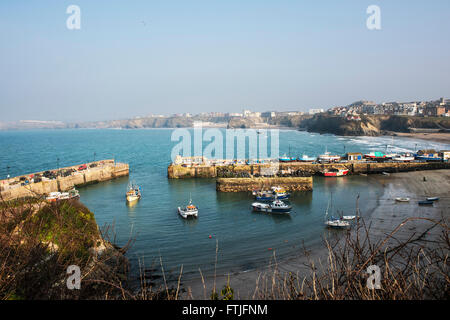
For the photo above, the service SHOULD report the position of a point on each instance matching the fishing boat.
(53, 196)
(189, 211)
(276, 206)
(280, 193)
(425, 203)
(428, 155)
(405, 157)
(433, 199)
(305, 158)
(375, 155)
(71, 194)
(328, 157)
(286, 158)
(385, 173)
(333, 222)
(402, 199)
(335, 172)
(134, 193)
(273, 194)
(57, 196)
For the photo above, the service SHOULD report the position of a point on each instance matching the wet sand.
(437, 137)
(385, 218)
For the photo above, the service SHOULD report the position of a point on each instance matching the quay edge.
(11, 189)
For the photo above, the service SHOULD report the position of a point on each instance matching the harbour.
(246, 239)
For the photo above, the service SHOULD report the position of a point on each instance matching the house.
(444, 154)
(354, 156)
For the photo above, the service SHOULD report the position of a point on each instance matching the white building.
(314, 111)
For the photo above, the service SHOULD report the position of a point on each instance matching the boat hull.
(425, 203)
(336, 174)
(271, 198)
(187, 214)
(337, 224)
(259, 207)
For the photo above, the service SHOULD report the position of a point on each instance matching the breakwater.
(249, 184)
(62, 179)
(296, 169)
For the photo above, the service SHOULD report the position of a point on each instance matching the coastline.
(387, 215)
(442, 137)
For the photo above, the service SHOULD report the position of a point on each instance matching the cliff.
(371, 125)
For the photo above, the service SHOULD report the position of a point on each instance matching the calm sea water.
(245, 239)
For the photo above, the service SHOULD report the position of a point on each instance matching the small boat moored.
(273, 194)
(425, 203)
(276, 206)
(335, 172)
(400, 199)
(328, 157)
(134, 193)
(57, 196)
(433, 199)
(189, 211)
(333, 222)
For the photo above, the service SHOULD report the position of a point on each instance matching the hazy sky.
(139, 57)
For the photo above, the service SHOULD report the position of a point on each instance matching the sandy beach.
(437, 137)
(385, 217)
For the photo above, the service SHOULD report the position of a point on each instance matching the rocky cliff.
(371, 125)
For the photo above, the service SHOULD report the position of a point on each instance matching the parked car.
(82, 167)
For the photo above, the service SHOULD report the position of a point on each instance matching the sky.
(134, 58)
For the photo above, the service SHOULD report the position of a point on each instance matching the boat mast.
(357, 206)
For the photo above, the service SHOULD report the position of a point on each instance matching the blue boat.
(428, 156)
(270, 195)
(425, 203)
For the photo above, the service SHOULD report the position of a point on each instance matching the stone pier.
(98, 171)
(250, 184)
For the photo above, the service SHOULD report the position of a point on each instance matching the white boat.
(404, 157)
(57, 196)
(337, 223)
(276, 206)
(348, 217)
(334, 222)
(400, 199)
(328, 157)
(189, 211)
(71, 194)
(53, 196)
(305, 158)
(433, 199)
(133, 194)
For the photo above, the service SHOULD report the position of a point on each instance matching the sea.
(227, 237)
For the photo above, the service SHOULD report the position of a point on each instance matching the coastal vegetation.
(39, 241)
